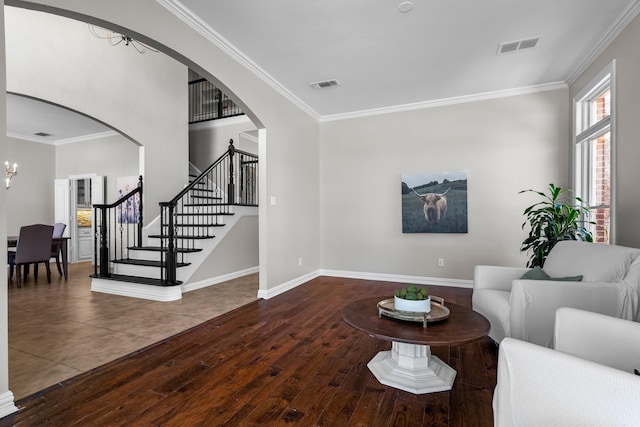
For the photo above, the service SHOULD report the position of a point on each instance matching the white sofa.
(593, 385)
(525, 309)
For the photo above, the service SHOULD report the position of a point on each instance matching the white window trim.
(592, 88)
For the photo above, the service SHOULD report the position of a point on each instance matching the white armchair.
(525, 309)
(587, 381)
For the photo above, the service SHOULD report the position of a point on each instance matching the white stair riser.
(142, 271)
(150, 255)
(196, 244)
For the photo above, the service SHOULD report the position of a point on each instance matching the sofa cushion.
(495, 306)
(597, 262)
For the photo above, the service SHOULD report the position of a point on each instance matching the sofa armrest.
(602, 339)
(534, 303)
(496, 277)
(542, 387)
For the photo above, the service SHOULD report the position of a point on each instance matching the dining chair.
(34, 247)
(56, 247)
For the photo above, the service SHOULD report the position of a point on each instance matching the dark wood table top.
(462, 325)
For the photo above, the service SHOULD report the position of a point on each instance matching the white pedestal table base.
(412, 368)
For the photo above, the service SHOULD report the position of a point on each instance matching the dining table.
(12, 242)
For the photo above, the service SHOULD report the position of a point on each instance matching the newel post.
(104, 247)
(140, 212)
(230, 186)
(172, 256)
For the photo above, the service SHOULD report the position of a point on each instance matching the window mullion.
(597, 129)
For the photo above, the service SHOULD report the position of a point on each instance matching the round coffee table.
(409, 365)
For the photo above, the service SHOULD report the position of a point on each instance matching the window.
(594, 119)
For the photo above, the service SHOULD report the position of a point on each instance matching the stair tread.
(136, 279)
(195, 225)
(160, 249)
(204, 214)
(164, 236)
(202, 204)
(145, 262)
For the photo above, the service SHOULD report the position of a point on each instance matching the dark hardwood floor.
(290, 360)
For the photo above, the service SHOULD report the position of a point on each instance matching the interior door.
(62, 208)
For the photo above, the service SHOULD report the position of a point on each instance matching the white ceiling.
(441, 51)
(26, 117)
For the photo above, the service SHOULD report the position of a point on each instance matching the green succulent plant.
(412, 293)
(557, 217)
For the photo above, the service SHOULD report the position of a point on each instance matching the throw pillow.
(538, 273)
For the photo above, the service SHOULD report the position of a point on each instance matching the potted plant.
(412, 298)
(557, 217)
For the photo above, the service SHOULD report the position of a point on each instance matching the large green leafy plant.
(557, 217)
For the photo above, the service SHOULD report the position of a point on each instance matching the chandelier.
(115, 39)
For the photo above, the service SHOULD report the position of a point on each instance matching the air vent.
(517, 45)
(324, 84)
(42, 134)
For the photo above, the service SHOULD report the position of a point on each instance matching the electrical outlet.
(300, 261)
(440, 262)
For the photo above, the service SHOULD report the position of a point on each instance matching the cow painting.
(435, 205)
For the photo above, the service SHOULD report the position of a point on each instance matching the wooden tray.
(438, 312)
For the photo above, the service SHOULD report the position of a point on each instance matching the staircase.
(182, 236)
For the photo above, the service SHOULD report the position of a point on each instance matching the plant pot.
(417, 306)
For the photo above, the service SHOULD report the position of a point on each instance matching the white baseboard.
(7, 406)
(136, 290)
(188, 287)
(174, 293)
(418, 280)
(284, 287)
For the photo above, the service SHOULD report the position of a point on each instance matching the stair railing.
(118, 226)
(195, 211)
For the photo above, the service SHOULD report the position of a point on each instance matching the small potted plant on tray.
(412, 298)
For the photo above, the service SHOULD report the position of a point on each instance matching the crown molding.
(82, 138)
(447, 101)
(614, 31)
(192, 20)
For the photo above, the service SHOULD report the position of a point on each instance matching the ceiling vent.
(42, 134)
(514, 46)
(324, 84)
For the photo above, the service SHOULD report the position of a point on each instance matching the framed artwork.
(128, 212)
(434, 202)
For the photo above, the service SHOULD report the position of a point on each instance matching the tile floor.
(61, 329)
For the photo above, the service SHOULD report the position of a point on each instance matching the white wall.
(627, 109)
(142, 96)
(506, 145)
(6, 397)
(112, 157)
(237, 252)
(210, 140)
(289, 158)
(30, 199)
